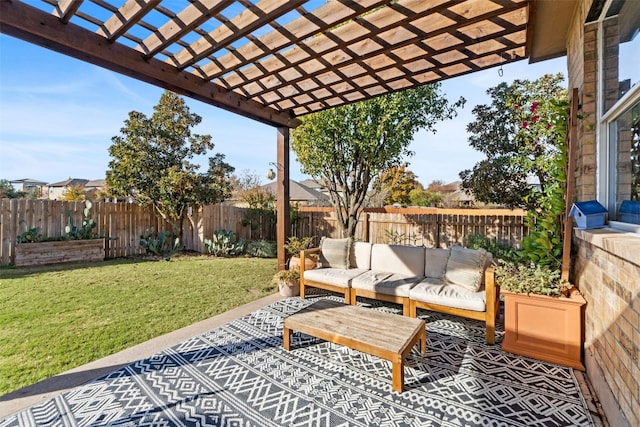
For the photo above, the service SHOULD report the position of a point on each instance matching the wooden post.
(365, 227)
(572, 136)
(282, 202)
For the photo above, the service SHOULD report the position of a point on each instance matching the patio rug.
(239, 375)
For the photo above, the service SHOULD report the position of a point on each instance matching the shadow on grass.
(11, 272)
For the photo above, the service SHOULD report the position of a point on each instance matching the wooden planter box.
(544, 328)
(63, 251)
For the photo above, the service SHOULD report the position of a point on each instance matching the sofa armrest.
(492, 295)
(492, 289)
(305, 254)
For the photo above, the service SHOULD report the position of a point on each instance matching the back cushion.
(435, 263)
(360, 255)
(334, 253)
(408, 260)
(465, 267)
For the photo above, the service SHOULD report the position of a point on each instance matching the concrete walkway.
(45, 389)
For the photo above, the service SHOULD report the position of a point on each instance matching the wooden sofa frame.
(492, 298)
(410, 306)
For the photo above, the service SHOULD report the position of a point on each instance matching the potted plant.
(293, 247)
(542, 314)
(288, 282)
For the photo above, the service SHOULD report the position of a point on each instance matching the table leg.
(397, 375)
(286, 338)
(423, 343)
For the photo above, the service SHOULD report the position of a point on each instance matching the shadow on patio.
(232, 370)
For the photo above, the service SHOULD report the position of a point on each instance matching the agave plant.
(225, 243)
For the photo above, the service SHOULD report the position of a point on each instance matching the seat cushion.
(465, 267)
(333, 276)
(407, 260)
(435, 291)
(334, 253)
(435, 262)
(385, 283)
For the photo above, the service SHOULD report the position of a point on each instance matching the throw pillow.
(334, 253)
(465, 267)
(436, 262)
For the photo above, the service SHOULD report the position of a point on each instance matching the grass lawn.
(55, 318)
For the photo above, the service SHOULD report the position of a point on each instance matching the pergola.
(276, 60)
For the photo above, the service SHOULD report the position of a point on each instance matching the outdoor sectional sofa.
(458, 281)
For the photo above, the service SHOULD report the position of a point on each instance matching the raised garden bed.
(57, 252)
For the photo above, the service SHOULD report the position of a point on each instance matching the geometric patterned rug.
(239, 375)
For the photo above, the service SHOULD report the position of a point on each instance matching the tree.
(395, 185)
(515, 160)
(260, 202)
(344, 148)
(7, 191)
(248, 188)
(74, 193)
(422, 197)
(152, 162)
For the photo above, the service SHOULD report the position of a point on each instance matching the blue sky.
(58, 115)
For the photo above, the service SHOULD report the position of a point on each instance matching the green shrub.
(530, 279)
(286, 275)
(499, 251)
(262, 249)
(32, 235)
(161, 243)
(73, 232)
(225, 243)
(296, 244)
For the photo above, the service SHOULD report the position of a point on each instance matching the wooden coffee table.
(389, 336)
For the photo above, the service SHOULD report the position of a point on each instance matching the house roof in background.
(311, 183)
(70, 182)
(275, 60)
(96, 183)
(27, 181)
(298, 191)
(459, 193)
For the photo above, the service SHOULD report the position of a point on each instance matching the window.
(629, 46)
(620, 102)
(624, 170)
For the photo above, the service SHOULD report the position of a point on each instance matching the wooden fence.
(431, 227)
(124, 223)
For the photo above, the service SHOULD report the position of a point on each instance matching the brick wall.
(586, 149)
(606, 266)
(608, 272)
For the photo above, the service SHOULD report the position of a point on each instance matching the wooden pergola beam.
(282, 197)
(30, 24)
